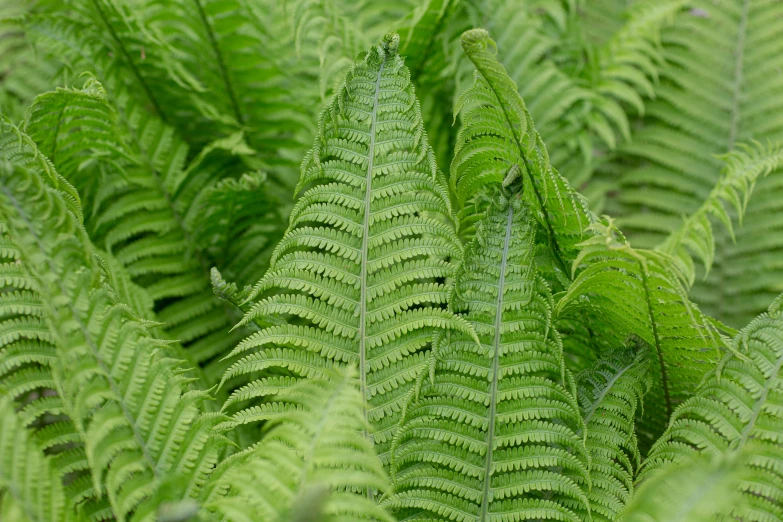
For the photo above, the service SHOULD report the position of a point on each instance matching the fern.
(737, 409)
(620, 290)
(715, 93)
(357, 272)
(695, 236)
(143, 203)
(144, 438)
(609, 393)
(498, 142)
(27, 477)
(494, 435)
(703, 491)
(313, 464)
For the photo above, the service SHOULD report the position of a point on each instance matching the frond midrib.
(366, 240)
(495, 368)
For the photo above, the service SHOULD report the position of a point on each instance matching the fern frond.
(498, 140)
(144, 206)
(27, 477)
(714, 94)
(145, 439)
(738, 407)
(609, 393)
(313, 464)
(622, 290)
(493, 434)
(744, 167)
(694, 493)
(358, 275)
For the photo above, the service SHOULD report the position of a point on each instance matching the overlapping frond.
(315, 462)
(359, 274)
(621, 290)
(494, 431)
(715, 92)
(700, 491)
(738, 408)
(221, 46)
(144, 206)
(609, 393)
(497, 142)
(695, 237)
(28, 479)
(145, 440)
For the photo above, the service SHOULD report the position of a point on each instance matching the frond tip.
(358, 276)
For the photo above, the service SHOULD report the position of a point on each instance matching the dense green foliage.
(425, 316)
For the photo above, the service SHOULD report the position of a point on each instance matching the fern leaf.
(145, 440)
(493, 434)
(621, 290)
(143, 206)
(498, 138)
(694, 493)
(609, 393)
(27, 477)
(313, 464)
(737, 408)
(708, 103)
(357, 273)
(744, 167)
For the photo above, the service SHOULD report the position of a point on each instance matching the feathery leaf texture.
(609, 393)
(702, 491)
(313, 464)
(128, 401)
(620, 290)
(498, 140)
(494, 433)
(27, 476)
(744, 166)
(738, 408)
(716, 91)
(143, 207)
(358, 275)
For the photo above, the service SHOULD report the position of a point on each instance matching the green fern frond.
(144, 206)
(497, 140)
(744, 166)
(358, 275)
(739, 407)
(609, 393)
(622, 290)
(27, 477)
(715, 92)
(700, 491)
(313, 464)
(493, 434)
(145, 439)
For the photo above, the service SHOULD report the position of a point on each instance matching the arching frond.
(358, 275)
(621, 290)
(498, 142)
(738, 408)
(744, 167)
(314, 463)
(144, 206)
(27, 477)
(609, 393)
(145, 439)
(493, 432)
(715, 92)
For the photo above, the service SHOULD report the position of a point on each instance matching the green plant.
(193, 329)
